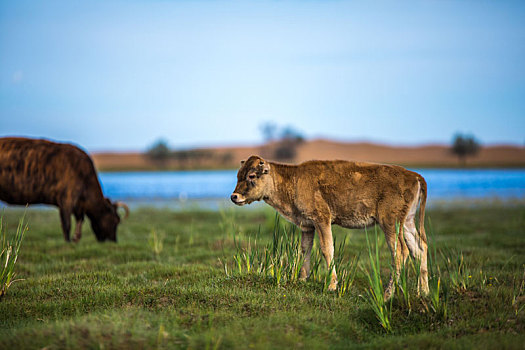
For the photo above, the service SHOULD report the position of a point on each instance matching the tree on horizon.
(464, 146)
(280, 143)
(159, 152)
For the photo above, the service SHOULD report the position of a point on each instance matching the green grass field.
(163, 285)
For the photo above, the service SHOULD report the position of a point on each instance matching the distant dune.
(229, 157)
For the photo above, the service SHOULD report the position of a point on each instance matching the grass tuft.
(10, 249)
(374, 293)
(155, 242)
(281, 259)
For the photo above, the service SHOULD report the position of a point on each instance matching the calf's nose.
(233, 197)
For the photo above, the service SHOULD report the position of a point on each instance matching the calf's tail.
(422, 204)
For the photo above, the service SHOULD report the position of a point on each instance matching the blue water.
(443, 184)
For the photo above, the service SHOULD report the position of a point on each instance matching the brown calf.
(316, 194)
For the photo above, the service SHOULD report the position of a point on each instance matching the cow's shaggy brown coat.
(316, 194)
(40, 171)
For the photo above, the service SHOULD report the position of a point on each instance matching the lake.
(176, 187)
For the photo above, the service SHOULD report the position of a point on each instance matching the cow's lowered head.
(104, 223)
(254, 181)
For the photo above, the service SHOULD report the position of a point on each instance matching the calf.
(316, 194)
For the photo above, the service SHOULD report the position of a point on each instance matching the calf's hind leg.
(418, 251)
(399, 253)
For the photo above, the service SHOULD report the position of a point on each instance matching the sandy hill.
(229, 157)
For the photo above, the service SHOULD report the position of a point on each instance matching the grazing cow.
(316, 194)
(40, 171)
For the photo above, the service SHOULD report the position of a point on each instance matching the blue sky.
(117, 75)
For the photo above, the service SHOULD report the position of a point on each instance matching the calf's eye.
(251, 176)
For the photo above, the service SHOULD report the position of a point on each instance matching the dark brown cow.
(316, 194)
(40, 171)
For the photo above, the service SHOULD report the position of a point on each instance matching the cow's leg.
(396, 249)
(65, 219)
(307, 241)
(418, 251)
(405, 252)
(417, 246)
(422, 284)
(78, 228)
(324, 230)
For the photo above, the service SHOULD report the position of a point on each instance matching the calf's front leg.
(324, 230)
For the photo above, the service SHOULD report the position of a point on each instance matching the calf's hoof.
(303, 276)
